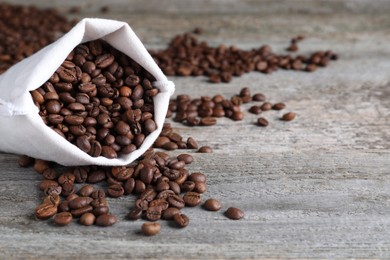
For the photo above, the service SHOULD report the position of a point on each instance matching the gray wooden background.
(316, 187)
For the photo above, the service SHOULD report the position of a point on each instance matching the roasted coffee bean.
(100, 202)
(98, 194)
(129, 186)
(176, 201)
(169, 213)
(159, 202)
(135, 214)
(187, 158)
(87, 219)
(212, 205)
(289, 116)
(96, 176)
(83, 143)
(53, 199)
(64, 206)
(115, 190)
(153, 213)
(200, 187)
(234, 213)
(205, 149)
(26, 161)
(170, 146)
(139, 187)
(262, 121)
(146, 174)
(108, 152)
(150, 229)
(181, 220)
(40, 166)
(197, 177)
(174, 186)
(188, 186)
(208, 121)
(45, 211)
(80, 202)
(49, 174)
(255, 110)
(278, 106)
(63, 218)
(53, 190)
(192, 199)
(81, 174)
(80, 211)
(266, 106)
(86, 190)
(100, 210)
(165, 194)
(258, 97)
(105, 220)
(191, 143)
(45, 184)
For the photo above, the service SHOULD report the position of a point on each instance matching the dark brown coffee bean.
(139, 187)
(86, 190)
(262, 121)
(278, 106)
(135, 214)
(129, 186)
(53, 199)
(45, 211)
(122, 173)
(205, 149)
(45, 184)
(200, 187)
(237, 116)
(234, 213)
(191, 143)
(160, 203)
(73, 120)
(212, 205)
(169, 213)
(105, 220)
(258, 97)
(146, 174)
(105, 60)
(64, 206)
(150, 229)
(266, 106)
(176, 201)
(40, 166)
(83, 143)
(161, 141)
(174, 186)
(100, 210)
(54, 190)
(63, 218)
(188, 186)
(181, 220)
(153, 213)
(197, 177)
(80, 202)
(150, 125)
(208, 121)
(115, 190)
(255, 110)
(186, 158)
(87, 219)
(170, 146)
(25, 161)
(49, 174)
(108, 152)
(192, 199)
(100, 202)
(289, 116)
(80, 211)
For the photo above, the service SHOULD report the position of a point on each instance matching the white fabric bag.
(22, 131)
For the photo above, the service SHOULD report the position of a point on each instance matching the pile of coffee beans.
(100, 100)
(187, 56)
(203, 111)
(163, 186)
(25, 30)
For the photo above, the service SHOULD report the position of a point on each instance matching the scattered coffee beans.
(205, 149)
(289, 116)
(181, 220)
(186, 56)
(100, 100)
(234, 213)
(150, 228)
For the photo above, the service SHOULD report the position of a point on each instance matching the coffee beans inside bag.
(93, 97)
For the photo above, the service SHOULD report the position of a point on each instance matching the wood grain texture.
(316, 187)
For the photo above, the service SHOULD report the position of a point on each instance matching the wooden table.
(316, 187)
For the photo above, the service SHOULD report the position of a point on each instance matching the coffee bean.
(208, 121)
(278, 106)
(115, 190)
(80, 202)
(212, 205)
(174, 186)
(159, 203)
(170, 146)
(87, 219)
(153, 213)
(108, 152)
(80, 211)
(205, 149)
(169, 213)
(197, 177)
(100, 210)
(150, 229)
(289, 116)
(191, 143)
(64, 206)
(86, 190)
(53, 199)
(176, 201)
(45, 184)
(258, 97)
(200, 187)
(83, 143)
(188, 186)
(26, 161)
(192, 199)
(99, 202)
(105, 220)
(262, 121)
(255, 110)
(187, 158)
(40, 166)
(49, 174)
(181, 220)
(234, 213)
(45, 211)
(63, 218)
(135, 214)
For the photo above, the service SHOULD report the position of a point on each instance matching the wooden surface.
(317, 187)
